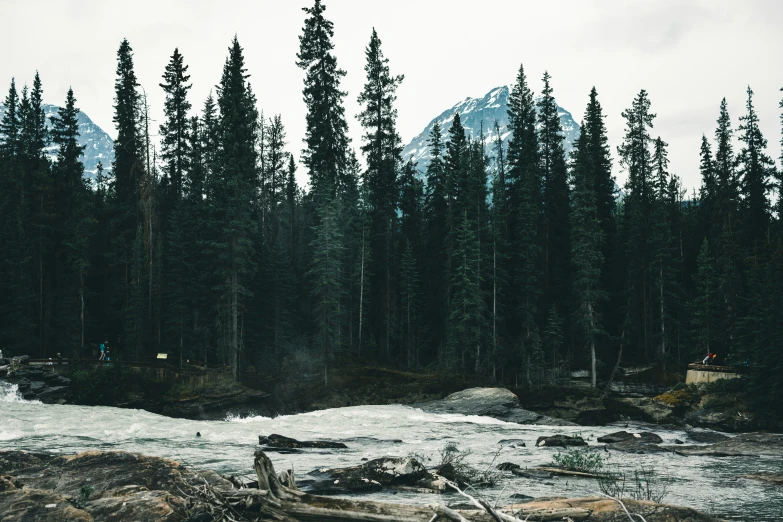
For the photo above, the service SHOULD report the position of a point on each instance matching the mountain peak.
(98, 145)
(475, 112)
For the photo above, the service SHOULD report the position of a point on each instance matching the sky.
(688, 54)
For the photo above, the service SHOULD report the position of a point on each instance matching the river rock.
(631, 446)
(498, 403)
(279, 441)
(624, 436)
(746, 444)
(710, 437)
(561, 441)
(507, 466)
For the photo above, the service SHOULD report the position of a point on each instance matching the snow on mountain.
(98, 144)
(475, 111)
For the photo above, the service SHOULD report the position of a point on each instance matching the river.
(709, 484)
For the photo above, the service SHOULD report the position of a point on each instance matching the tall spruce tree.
(436, 199)
(755, 169)
(725, 170)
(236, 165)
(524, 207)
(555, 220)
(175, 142)
(587, 234)
(382, 149)
(636, 157)
(326, 140)
(76, 221)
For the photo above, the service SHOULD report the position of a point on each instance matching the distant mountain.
(475, 111)
(98, 145)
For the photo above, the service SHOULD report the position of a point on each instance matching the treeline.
(513, 264)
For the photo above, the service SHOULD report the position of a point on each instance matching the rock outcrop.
(498, 403)
(279, 441)
(744, 445)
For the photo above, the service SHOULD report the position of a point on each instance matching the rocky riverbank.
(119, 486)
(720, 407)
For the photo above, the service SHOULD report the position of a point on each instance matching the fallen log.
(305, 507)
(567, 472)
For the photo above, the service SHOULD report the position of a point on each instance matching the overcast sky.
(688, 54)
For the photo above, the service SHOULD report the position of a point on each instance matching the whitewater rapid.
(705, 483)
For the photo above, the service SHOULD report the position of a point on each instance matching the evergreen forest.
(500, 264)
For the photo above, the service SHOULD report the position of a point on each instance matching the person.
(103, 351)
(707, 359)
(108, 357)
(713, 361)
(198, 434)
(59, 359)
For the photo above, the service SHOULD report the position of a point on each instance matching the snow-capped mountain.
(98, 145)
(475, 111)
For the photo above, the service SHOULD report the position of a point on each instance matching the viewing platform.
(701, 373)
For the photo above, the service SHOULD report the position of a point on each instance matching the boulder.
(514, 443)
(279, 441)
(624, 436)
(560, 441)
(706, 436)
(498, 403)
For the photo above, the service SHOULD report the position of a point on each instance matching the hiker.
(707, 359)
(103, 351)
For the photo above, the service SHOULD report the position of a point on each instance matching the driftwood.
(567, 472)
(283, 502)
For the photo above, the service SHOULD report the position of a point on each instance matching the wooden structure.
(703, 373)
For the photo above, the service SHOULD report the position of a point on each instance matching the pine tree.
(708, 191)
(236, 166)
(755, 172)
(662, 264)
(436, 206)
(74, 213)
(175, 142)
(524, 207)
(555, 220)
(587, 237)
(326, 134)
(725, 170)
(127, 171)
(636, 158)
(498, 234)
(382, 149)
(10, 126)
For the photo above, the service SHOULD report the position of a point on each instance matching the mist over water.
(705, 483)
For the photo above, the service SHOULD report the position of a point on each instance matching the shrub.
(679, 386)
(454, 468)
(641, 484)
(585, 461)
